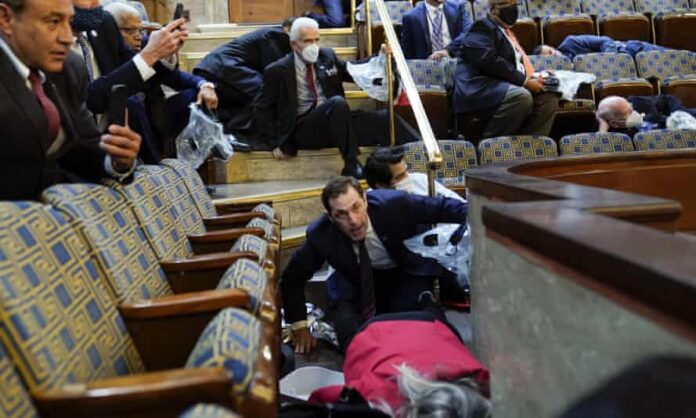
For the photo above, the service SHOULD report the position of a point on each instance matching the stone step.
(188, 60)
(248, 168)
(216, 35)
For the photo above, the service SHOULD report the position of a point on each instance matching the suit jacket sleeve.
(478, 48)
(303, 264)
(456, 44)
(407, 36)
(433, 210)
(176, 79)
(265, 106)
(100, 89)
(343, 70)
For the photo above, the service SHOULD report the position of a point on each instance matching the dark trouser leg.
(151, 148)
(333, 14)
(372, 128)
(328, 126)
(510, 114)
(234, 105)
(543, 113)
(347, 319)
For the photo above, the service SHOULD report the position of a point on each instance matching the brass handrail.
(426, 131)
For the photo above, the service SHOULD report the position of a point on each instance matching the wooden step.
(208, 40)
(245, 167)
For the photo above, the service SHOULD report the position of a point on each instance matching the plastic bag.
(370, 77)
(680, 120)
(449, 245)
(202, 136)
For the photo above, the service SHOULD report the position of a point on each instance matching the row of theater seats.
(137, 300)
(460, 156)
(654, 72)
(664, 22)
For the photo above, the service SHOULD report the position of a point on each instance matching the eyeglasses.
(131, 31)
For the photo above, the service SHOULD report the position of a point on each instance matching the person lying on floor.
(574, 45)
(637, 113)
(413, 364)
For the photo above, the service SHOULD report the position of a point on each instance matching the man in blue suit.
(362, 235)
(434, 29)
(495, 79)
(574, 45)
(333, 16)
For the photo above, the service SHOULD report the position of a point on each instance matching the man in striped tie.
(434, 29)
(495, 80)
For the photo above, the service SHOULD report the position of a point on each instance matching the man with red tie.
(361, 236)
(495, 80)
(49, 136)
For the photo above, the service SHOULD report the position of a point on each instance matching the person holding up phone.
(49, 135)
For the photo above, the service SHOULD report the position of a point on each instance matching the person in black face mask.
(495, 79)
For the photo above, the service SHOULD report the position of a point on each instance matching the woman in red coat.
(413, 364)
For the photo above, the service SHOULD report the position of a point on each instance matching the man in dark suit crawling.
(362, 235)
(49, 135)
(302, 103)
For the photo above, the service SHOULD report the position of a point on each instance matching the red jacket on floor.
(429, 347)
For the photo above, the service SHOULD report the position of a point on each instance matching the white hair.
(121, 10)
(302, 23)
(609, 108)
(426, 398)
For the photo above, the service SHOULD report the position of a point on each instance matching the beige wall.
(204, 11)
(546, 339)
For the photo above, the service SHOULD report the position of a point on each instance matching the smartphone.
(117, 105)
(179, 11)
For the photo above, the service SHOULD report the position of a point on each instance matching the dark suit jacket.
(240, 63)
(115, 61)
(395, 216)
(275, 109)
(415, 29)
(486, 70)
(25, 170)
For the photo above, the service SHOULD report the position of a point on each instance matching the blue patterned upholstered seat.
(560, 18)
(615, 13)
(250, 276)
(59, 324)
(234, 340)
(203, 410)
(457, 156)
(481, 9)
(595, 142)
(612, 70)
(663, 140)
(675, 70)
(428, 75)
(200, 196)
(15, 401)
(505, 148)
(673, 21)
(551, 62)
(396, 9)
(112, 231)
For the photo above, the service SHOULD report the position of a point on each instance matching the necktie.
(310, 84)
(367, 284)
(49, 108)
(528, 67)
(437, 41)
(83, 42)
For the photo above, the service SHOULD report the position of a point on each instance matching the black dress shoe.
(240, 146)
(353, 170)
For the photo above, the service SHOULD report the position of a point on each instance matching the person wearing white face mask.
(638, 113)
(615, 113)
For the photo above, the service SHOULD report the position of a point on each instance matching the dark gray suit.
(25, 168)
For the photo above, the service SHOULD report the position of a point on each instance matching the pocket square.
(332, 71)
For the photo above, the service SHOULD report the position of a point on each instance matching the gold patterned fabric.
(204, 410)
(195, 185)
(231, 340)
(112, 231)
(253, 244)
(15, 401)
(505, 148)
(663, 140)
(457, 156)
(59, 324)
(247, 275)
(596, 142)
(266, 226)
(166, 236)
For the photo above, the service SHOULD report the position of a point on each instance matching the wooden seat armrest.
(166, 393)
(185, 304)
(224, 235)
(205, 262)
(241, 218)
(224, 208)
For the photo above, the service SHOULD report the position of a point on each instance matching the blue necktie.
(438, 43)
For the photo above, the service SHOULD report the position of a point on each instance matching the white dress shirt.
(432, 12)
(379, 257)
(518, 55)
(305, 99)
(24, 73)
(417, 183)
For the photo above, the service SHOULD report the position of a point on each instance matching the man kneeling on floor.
(362, 235)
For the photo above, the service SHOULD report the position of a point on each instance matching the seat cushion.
(524, 147)
(252, 243)
(661, 140)
(248, 275)
(593, 143)
(577, 105)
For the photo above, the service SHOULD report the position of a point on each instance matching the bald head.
(129, 23)
(614, 110)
